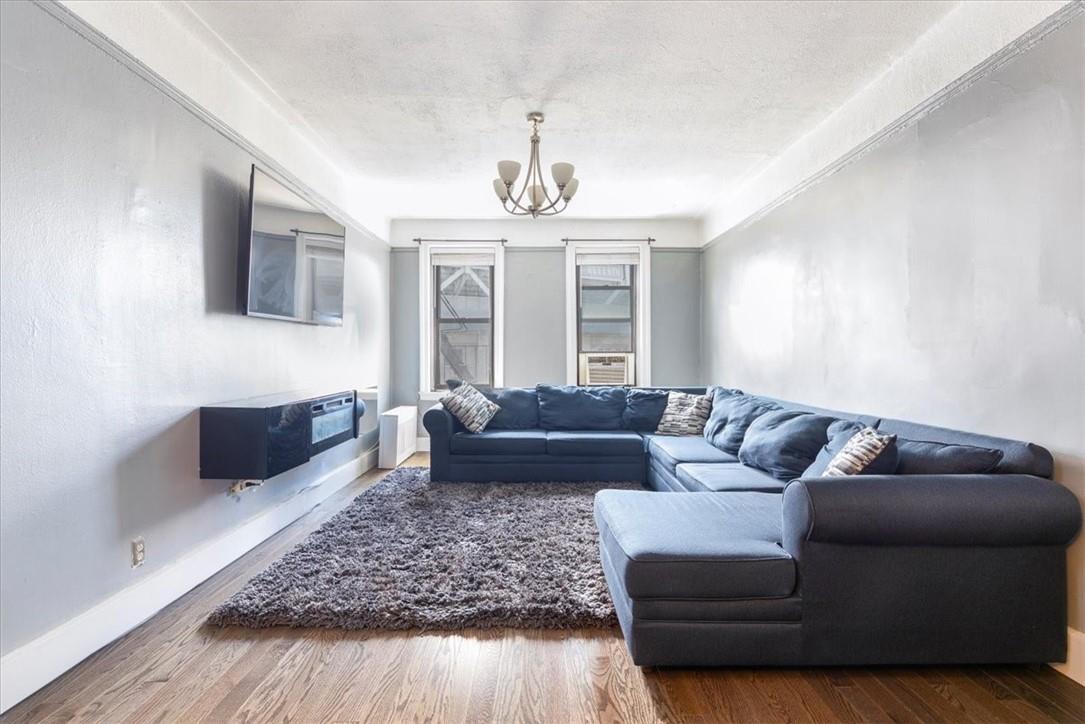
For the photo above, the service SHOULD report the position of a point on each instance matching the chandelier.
(533, 199)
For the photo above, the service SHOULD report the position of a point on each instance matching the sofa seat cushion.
(694, 546)
(499, 442)
(595, 442)
(671, 451)
(717, 477)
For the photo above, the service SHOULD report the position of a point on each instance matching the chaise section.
(722, 477)
(699, 579)
(931, 569)
(606, 443)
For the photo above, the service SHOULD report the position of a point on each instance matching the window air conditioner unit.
(606, 369)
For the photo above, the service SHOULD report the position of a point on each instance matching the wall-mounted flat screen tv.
(290, 257)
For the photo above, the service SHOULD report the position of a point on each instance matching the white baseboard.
(1075, 656)
(423, 444)
(33, 665)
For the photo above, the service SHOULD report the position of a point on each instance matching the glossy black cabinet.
(261, 437)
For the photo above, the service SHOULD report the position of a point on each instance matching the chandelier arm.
(527, 176)
(556, 212)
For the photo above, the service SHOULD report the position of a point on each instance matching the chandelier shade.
(533, 198)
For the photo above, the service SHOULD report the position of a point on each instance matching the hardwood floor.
(174, 668)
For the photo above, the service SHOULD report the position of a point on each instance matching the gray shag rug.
(411, 554)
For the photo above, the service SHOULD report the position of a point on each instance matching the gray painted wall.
(938, 278)
(676, 317)
(120, 215)
(535, 319)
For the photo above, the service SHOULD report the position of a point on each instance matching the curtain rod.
(318, 233)
(649, 239)
(419, 240)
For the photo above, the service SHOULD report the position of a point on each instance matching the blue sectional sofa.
(737, 566)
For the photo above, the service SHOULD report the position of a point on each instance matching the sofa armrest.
(929, 510)
(439, 422)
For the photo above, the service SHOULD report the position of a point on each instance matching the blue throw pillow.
(839, 433)
(741, 410)
(643, 409)
(580, 408)
(519, 406)
(721, 397)
(918, 457)
(783, 443)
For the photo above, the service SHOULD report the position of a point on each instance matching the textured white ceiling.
(662, 106)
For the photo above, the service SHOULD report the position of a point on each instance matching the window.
(463, 324)
(461, 303)
(607, 306)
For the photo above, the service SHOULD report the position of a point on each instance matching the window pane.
(606, 336)
(463, 292)
(606, 304)
(465, 352)
(613, 275)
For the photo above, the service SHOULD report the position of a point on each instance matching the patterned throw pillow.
(685, 414)
(470, 407)
(859, 453)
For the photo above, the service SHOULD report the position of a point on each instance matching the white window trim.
(644, 304)
(426, 384)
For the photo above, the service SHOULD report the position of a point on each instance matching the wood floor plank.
(176, 668)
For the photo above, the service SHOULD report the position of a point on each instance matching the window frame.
(428, 388)
(642, 285)
(632, 320)
(439, 384)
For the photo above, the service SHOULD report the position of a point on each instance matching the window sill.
(431, 396)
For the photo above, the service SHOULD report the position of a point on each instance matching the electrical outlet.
(139, 551)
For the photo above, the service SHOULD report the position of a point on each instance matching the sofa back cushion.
(720, 409)
(643, 409)
(519, 406)
(922, 457)
(738, 412)
(784, 443)
(1017, 457)
(580, 408)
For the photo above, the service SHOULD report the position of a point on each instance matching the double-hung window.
(608, 306)
(461, 338)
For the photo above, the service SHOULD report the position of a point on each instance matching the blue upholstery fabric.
(719, 477)
(720, 409)
(643, 409)
(918, 457)
(595, 442)
(700, 546)
(544, 469)
(519, 409)
(519, 406)
(741, 411)
(580, 408)
(930, 510)
(784, 443)
(670, 451)
(499, 442)
(1017, 457)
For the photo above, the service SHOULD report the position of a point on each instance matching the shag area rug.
(408, 553)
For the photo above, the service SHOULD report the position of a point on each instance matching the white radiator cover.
(398, 436)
